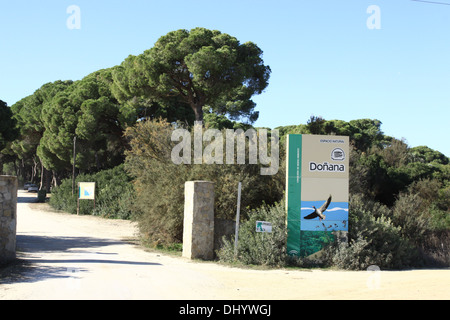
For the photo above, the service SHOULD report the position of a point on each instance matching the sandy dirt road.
(85, 257)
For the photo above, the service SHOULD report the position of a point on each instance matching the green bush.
(257, 248)
(373, 240)
(114, 195)
(62, 198)
(409, 214)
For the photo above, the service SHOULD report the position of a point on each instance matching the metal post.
(73, 167)
(78, 201)
(238, 211)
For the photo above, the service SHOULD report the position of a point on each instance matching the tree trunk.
(198, 111)
(45, 179)
(42, 177)
(34, 170)
(56, 181)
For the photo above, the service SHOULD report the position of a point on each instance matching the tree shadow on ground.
(32, 266)
(35, 243)
(22, 270)
(26, 198)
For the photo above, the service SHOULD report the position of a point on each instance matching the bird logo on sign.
(319, 212)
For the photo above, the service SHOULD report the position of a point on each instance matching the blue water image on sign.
(336, 216)
(86, 193)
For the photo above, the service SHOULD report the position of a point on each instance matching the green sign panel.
(316, 191)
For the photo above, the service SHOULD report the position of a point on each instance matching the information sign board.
(86, 190)
(317, 175)
(263, 226)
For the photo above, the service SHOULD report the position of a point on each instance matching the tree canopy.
(205, 69)
(7, 125)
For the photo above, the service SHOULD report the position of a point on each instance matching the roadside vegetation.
(119, 123)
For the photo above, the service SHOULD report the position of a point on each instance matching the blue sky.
(325, 61)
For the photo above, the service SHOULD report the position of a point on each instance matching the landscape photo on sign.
(324, 215)
(87, 190)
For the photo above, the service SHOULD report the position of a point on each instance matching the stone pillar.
(8, 218)
(198, 227)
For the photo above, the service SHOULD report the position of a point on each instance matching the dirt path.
(85, 257)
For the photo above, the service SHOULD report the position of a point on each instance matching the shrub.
(373, 240)
(62, 198)
(114, 194)
(422, 212)
(256, 248)
(409, 214)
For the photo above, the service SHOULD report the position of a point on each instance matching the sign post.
(238, 211)
(86, 191)
(317, 174)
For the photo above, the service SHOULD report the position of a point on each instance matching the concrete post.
(198, 227)
(8, 218)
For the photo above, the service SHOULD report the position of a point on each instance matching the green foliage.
(440, 208)
(28, 113)
(88, 110)
(130, 86)
(363, 133)
(206, 69)
(254, 248)
(63, 199)
(7, 125)
(312, 242)
(392, 238)
(114, 195)
(409, 213)
(373, 240)
(8, 133)
(159, 183)
(424, 154)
